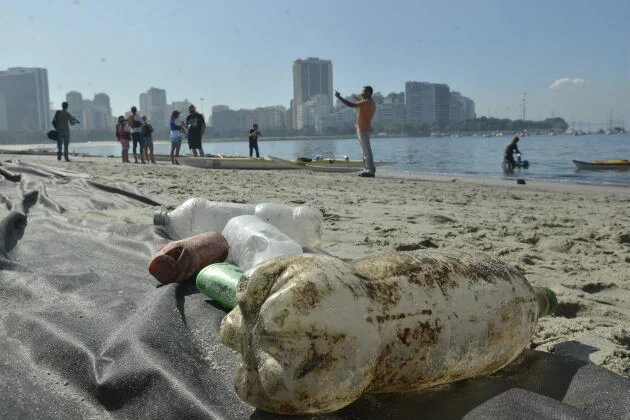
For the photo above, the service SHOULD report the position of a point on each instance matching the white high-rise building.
(26, 101)
(311, 77)
(157, 108)
(420, 103)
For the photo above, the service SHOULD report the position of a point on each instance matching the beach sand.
(574, 239)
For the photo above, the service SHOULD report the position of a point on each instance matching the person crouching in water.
(147, 133)
(123, 136)
(508, 156)
(177, 128)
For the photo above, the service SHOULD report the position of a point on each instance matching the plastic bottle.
(177, 261)
(303, 224)
(315, 332)
(197, 215)
(252, 241)
(218, 281)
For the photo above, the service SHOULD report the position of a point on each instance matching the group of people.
(192, 127)
(139, 131)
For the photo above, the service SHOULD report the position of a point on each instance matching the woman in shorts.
(177, 128)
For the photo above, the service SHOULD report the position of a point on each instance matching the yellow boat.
(604, 165)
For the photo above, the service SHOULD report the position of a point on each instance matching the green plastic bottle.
(218, 281)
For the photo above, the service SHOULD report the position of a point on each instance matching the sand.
(574, 239)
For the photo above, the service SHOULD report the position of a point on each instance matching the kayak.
(604, 165)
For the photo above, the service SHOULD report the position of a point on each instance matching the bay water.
(550, 157)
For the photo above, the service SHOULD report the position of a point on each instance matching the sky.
(565, 58)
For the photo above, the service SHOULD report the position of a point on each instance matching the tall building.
(420, 103)
(156, 108)
(4, 124)
(24, 99)
(457, 107)
(102, 100)
(311, 77)
(469, 109)
(442, 95)
(144, 104)
(75, 107)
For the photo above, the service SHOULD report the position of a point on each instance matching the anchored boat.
(604, 165)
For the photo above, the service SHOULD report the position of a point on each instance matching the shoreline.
(541, 183)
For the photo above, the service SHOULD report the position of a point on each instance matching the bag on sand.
(53, 135)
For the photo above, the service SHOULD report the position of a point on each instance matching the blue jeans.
(138, 140)
(63, 139)
(366, 150)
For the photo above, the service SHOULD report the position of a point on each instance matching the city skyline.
(569, 58)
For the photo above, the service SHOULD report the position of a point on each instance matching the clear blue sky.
(240, 52)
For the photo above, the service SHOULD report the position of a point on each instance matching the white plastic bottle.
(198, 215)
(252, 241)
(316, 332)
(303, 224)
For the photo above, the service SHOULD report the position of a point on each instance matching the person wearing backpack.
(147, 133)
(135, 123)
(62, 122)
(123, 138)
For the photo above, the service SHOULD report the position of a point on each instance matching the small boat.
(604, 165)
(269, 163)
(324, 164)
(236, 163)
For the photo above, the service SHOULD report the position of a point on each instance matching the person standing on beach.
(366, 109)
(508, 156)
(62, 122)
(135, 122)
(123, 138)
(147, 134)
(177, 127)
(253, 140)
(196, 127)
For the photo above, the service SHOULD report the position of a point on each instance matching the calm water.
(550, 157)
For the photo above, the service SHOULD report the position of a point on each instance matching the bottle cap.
(159, 218)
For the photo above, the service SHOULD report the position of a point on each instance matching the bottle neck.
(547, 301)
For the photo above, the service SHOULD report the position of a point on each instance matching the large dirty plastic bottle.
(316, 332)
(197, 215)
(303, 224)
(253, 241)
(177, 261)
(218, 281)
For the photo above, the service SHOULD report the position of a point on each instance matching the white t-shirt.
(177, 133)
(137, 119)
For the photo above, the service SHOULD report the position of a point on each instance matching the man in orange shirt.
(366, 109)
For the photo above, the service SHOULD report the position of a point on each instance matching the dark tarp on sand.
(86, 333)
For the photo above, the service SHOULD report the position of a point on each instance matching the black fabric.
(86, 332)
(196, 124)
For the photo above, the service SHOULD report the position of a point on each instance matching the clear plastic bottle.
(303, 224)
(316, 332)
(198, 215)
(253, 241)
